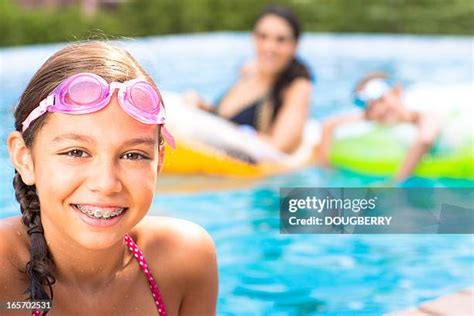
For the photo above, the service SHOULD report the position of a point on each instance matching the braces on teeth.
(99, 214)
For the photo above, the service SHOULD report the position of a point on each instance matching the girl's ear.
(20, 156)
(161, 157)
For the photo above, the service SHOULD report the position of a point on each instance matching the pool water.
(263, 272)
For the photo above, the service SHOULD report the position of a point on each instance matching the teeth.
(99, 213)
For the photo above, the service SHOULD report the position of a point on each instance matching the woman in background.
(271, 97)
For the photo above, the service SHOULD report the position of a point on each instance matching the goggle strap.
(38, 111)
(168, 137)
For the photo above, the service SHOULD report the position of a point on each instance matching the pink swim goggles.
(87, 92)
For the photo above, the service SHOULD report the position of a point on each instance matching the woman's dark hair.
(286, 14)
(111, 63)
(295, 68)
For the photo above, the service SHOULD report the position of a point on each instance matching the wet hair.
(102, 58)
(295, 68)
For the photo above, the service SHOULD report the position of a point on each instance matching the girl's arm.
(329, 126)
(287, 131)
(428, 131)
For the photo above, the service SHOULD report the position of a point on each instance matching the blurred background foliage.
(19, 25)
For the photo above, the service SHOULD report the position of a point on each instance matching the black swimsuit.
(249, 115)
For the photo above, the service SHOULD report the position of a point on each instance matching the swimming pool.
(261, 271)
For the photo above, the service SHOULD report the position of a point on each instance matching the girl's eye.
(75, 153)
(135, 156)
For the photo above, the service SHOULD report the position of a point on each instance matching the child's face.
(388, 109)
(101, 159)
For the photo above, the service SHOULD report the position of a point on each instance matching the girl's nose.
(104, 178)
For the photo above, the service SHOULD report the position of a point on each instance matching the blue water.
(261, 271)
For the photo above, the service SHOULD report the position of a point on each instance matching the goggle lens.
(84, 91)
(144, 98)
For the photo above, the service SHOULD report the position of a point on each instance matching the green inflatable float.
(380, 152)
(372, 149)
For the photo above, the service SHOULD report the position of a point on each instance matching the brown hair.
(108, 61)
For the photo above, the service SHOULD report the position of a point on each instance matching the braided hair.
(108, 61)
(40, 267)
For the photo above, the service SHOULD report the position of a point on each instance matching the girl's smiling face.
(103, 161)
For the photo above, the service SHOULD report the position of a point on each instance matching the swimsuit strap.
(155, 291)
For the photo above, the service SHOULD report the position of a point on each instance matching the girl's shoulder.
(15, 241)
(14, 253)
(172, 233)
(182, 259)
(184, 245)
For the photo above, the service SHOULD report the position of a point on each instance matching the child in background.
(382, 103)
(87, 161)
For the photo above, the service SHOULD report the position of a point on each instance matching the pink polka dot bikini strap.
(155, 291)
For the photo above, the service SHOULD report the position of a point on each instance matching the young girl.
(88, 147)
